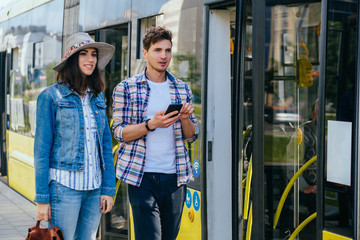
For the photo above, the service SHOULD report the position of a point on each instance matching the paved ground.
(17, 214)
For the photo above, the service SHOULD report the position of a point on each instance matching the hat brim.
(105, 52)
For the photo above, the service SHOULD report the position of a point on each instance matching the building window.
(143, 25)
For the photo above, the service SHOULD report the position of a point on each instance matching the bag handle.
(37, 226)
(51, 224)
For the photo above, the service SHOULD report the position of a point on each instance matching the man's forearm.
(133, 132)
(188, 128)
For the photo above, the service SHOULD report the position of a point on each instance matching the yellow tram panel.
(190, 228)
(21, 173)
(333, 236)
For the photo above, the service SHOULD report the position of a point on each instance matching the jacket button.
(100, 130)
(96, 112)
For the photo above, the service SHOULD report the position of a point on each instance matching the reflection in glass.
(145, 24)
(290, 111)
(94, 14)
(35, 45)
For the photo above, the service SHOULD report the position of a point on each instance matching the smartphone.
(173, 107)
(104, 203)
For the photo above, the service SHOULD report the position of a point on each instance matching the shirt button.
(87, 128)
(90, 164)
(88, 140)
(100, 130)
(96, 112)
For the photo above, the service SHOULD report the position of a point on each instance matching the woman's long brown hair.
(71, 74)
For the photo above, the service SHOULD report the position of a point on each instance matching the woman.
(74, 168)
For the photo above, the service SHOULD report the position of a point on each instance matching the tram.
(276, 94)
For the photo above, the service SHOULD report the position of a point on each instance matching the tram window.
(31, 72)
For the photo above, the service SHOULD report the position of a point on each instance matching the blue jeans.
(157, 206)
(76, 213)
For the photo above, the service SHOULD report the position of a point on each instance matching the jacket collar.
(64, 89)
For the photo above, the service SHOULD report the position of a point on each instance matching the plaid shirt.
(130, 100)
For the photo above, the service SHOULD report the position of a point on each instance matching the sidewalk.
(17, 214)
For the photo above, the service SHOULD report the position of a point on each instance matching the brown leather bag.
(37, 233)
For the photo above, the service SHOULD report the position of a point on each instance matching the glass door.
(291, 110)
(242, 102)
(115, 225)
(301, 165)
(340, 124)
(292, 40)
(280, 64)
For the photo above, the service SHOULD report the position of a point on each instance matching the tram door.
(303, 133)
(291, 104)
(115, 225)
(340, 117)
(3, 114)
(218, 123)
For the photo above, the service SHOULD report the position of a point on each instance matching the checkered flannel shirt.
(130, 100)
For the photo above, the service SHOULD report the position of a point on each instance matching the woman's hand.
(106, 203)
(43, 211)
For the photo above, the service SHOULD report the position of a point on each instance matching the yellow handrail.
(247, 131)
(288, 188)
(249, 225)
(302, 44)
(247, 190)
(302, 225)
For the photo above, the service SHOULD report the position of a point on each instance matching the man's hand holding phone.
(186, 110)
(174, 109)
(164, 119)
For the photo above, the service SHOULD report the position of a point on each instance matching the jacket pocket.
(66, 115)
(100, 116)
(67, 129)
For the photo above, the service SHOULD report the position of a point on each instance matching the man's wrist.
(147, 126)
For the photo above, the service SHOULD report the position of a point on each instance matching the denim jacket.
(59, 138)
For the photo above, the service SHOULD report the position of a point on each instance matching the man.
(152, 157)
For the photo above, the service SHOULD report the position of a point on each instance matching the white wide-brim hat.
(81, 40)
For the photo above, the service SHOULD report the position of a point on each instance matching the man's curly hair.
(155, 34)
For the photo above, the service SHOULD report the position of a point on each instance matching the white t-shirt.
(160, 144)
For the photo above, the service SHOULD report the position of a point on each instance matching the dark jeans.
(157, 206)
